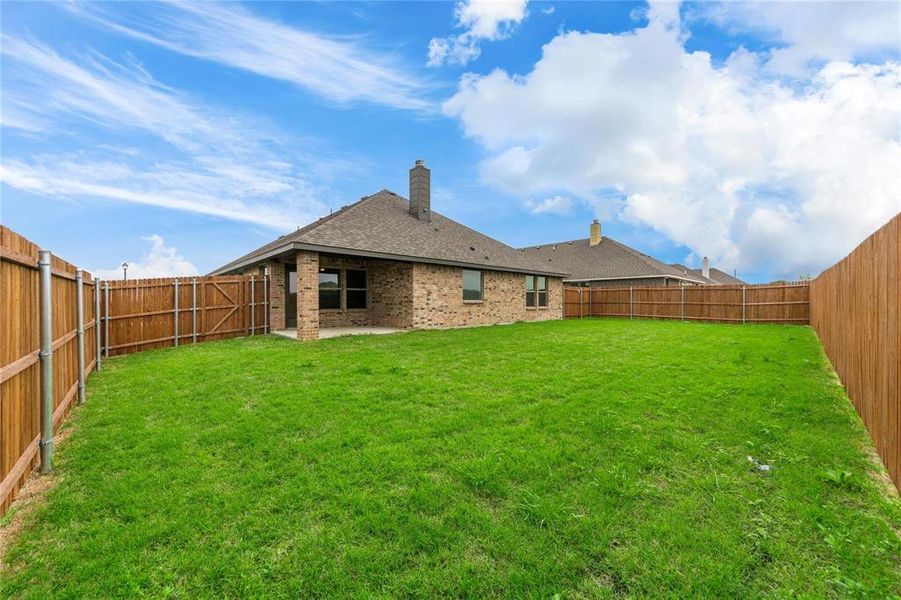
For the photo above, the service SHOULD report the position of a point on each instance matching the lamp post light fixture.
(124, 271)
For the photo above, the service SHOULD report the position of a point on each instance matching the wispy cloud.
(275, 198)
(93, 88)
(340, 69)
(214, 162)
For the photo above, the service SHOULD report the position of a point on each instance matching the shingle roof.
(609, 259)
(717, 277)
(381, 225)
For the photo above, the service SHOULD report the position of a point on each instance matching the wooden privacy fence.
(788, 303)
(43, 370)
(143, 314)
(41, 373)
(856, 312)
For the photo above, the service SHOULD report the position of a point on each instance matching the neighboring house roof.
(608, 259)
(381, 226)
(717, 277)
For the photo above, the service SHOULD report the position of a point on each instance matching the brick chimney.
(420, 192)
(595, 237)
(705, 267)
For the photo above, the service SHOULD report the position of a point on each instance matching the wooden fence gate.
(142, 314)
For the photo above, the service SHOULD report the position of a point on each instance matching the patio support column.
(276, 291)
(307, 295)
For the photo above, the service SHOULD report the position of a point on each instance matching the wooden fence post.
(79, 330)
(631, 310)
(46, 356)
(253, 306)
(682, 301)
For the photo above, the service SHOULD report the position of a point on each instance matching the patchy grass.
(583, 458)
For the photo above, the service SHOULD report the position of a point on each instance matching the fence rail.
(856, 312)
(788, 303)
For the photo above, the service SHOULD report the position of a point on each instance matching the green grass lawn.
(593, 458)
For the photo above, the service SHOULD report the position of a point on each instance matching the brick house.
(600, 261)
(388, 262)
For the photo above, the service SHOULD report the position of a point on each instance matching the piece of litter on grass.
(758, 464)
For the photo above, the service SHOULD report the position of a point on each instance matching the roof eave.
(293, 246)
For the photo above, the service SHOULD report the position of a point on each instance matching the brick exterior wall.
(389, 296)
(406, 295)
(276, 294)
(438, 299)
(307, 295)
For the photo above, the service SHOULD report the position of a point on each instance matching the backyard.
(587, 458)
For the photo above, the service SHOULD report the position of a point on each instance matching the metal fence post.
(46, 356)
(79, 330)
(194, 311)
(176, 312)
(266, 303)
(253, 306)
(631, 310)
(106, 318)
(682, 302)
(743, 304)
(97, 324)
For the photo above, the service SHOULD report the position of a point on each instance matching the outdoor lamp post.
(124, 271)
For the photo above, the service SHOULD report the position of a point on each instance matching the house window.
(536, 291)
(473, 285)
(355, 282)
(329, 288)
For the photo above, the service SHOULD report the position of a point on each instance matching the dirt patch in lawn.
(31, 496)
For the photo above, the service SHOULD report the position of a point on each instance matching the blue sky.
(178, 137)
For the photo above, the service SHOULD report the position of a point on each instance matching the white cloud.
(549, 10)
(489, 20)
(273, 197)
(217, 162)
(160, 261)
(340, 69)
(557, 205)
(811, 33)
(746, 169)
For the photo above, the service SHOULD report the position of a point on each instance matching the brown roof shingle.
(609, 259)
(381, 225)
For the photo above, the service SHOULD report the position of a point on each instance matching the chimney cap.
(420, 162)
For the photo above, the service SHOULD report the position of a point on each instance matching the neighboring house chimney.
(595, 238)
(420, 192)
(705, 268)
